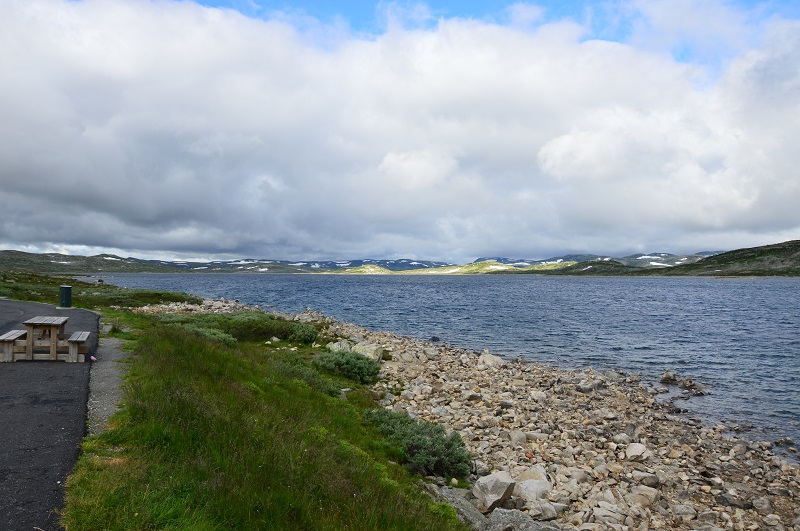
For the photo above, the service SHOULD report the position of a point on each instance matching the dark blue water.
(738, 337)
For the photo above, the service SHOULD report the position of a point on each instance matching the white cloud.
(168, 127)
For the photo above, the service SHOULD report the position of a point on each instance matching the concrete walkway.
(43, 412)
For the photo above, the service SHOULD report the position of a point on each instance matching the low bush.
(256, 326)
(210, 333)
(308, 375)
(351, 365)
(249, 326)
(426, 447)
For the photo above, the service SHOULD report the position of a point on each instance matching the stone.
(515, 520)
(608, 515)
(541, 510)
(536, 436)
(621, 438)
(589, 386)
(538, 396)
(646, 478)
(406, 356)
(490, 361)
(532, 489)
(492, 490)
(686, 512)
(642, 496)
(536, 472)
(369, 350)
(730, 499)
(457, 498)
(342, 345)
(762, 505)
(636, 452)
(773, 521)
(517, 438)
(431, 353)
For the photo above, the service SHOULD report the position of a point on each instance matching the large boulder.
(637, 452)
(532, 484)
(457, 498)
(492, 490)
(532, 489)
(489, 361)
(512, 519)
(642, 496)
(342, 345)
(370, 350)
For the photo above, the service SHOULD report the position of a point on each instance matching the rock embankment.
(206, 306)
(584, 450)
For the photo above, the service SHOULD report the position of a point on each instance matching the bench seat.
(77, 346)
(13, 341)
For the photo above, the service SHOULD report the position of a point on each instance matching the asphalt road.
(43, 408)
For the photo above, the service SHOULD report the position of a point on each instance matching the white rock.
(535, 472)
(532, 489)
(341, 345)
(517, 438)
(490, 361)
(641, 496)
(636, 452)
(492, 490)
(369, 350)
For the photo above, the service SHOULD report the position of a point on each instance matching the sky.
(446, 130)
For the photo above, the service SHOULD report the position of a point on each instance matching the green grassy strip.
(212, 437)
(42, 288)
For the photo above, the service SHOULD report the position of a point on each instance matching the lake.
(737, 337)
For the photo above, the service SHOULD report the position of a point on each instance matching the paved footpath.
(43, 406)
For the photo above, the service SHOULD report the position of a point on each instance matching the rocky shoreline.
(573, 450)
(581, 449)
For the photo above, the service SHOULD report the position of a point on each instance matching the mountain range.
(781, 259)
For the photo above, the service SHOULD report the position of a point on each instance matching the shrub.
(256, 326)
(249, 326)
(209, 333)
(426, 447)
(314, 379)
(351, 365)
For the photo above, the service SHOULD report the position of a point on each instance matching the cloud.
(168, 127)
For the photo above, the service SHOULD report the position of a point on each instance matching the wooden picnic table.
(44, 331)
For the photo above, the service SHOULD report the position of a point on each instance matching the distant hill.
(475, 268)
(108, 263)
(641, 260)
(74, 264)
(781, 259)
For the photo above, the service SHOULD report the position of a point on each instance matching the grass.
(215, 438)
(42, 288)
(217, 435)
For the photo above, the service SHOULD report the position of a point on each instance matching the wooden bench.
(77, 346)
(13, 341)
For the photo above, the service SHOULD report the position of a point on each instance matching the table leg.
(29, 342)
(53, 342)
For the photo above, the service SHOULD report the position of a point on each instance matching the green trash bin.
(65, 297)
